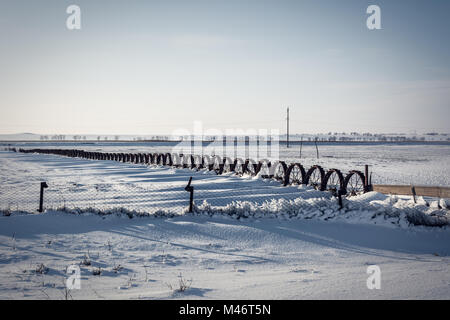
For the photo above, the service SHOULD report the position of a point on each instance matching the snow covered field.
(144, 258)
(275, 243)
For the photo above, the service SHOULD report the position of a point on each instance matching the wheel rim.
(198, 162)
(206, 161)
(227, 165)
(279, 172)
(239, 169)
(295, 175)
(333, 183)
(251, 168)
(315, 179)
(216, 165)
(265, 169)
(176, 160)
(355, 185)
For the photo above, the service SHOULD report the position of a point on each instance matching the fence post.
(41, 198)
(190, 189)
(340, 194)
(366, 178)
(413, 191)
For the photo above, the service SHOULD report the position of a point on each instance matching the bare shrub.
(86, 260)
(183, 284)
(117, 268)
(41, 269)
(97, 271)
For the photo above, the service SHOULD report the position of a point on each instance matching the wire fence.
(149, 199)
(146, 199)
(180, 197)
(338, 182)
(333, 180)
(20, 197)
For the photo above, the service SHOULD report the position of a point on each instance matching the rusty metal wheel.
(155, 158)
(279, 171)
(207, 162)
(168, 160)
(198, 162)
(333, 182)
(217, 165)
(176, 160)
(161, 160)
(354, 183)
(188, 161)
(263, 169)
(251, 167)
(228, 165)
(239, 166)
(295, 174)
(315, 176)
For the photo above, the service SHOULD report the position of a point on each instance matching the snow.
(252, 239)
(224, 258)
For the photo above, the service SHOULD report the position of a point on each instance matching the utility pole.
(287, 127)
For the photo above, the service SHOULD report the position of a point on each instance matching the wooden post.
(41, 198)
(366, 177)
(190, 189)
(413, 191)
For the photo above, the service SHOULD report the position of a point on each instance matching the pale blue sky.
(151, 67)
